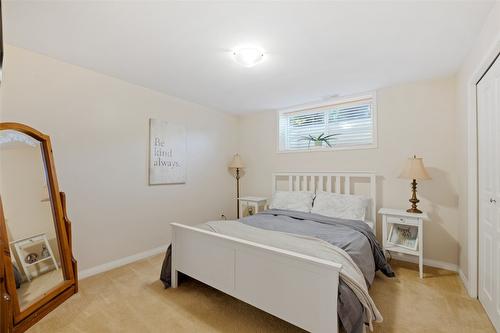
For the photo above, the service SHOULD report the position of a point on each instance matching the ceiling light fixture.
(248, 56)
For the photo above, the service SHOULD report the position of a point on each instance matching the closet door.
(488, 103)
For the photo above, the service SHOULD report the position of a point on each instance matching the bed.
(286, 262)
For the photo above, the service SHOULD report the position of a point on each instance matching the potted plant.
(319, 140)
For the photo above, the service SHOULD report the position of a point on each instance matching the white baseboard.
(427, 262)
(120, 262)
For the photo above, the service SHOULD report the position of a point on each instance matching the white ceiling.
(314, 50)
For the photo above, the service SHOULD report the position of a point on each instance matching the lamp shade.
(414, 169)
(237, 162)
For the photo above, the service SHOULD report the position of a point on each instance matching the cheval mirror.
(37, 268)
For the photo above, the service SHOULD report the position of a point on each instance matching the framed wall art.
(167, 153)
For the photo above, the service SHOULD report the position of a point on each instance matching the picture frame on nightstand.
(404, 235)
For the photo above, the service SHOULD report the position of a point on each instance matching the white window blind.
(352, 124)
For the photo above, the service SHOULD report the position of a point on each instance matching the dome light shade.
(248, 56)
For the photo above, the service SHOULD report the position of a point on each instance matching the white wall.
(487, 44)
(416, 118)
(99, 130)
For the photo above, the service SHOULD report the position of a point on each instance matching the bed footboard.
(296, 288)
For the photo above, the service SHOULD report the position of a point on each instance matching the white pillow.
(299, 200)
(344, 206)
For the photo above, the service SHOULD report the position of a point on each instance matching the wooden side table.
(403, 232)
(30, 241)
(252, 205)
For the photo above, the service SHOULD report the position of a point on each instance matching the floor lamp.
(237, 164)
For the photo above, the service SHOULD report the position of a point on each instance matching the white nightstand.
(252, 205)
(30, 241)
(396, 222)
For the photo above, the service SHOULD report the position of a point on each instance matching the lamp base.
(413, 200)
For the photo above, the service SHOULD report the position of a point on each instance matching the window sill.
(327, 149)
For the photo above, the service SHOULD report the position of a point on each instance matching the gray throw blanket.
(354, 237)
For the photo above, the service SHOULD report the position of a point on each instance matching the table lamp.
(415, 170)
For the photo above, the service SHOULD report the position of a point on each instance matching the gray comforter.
(354, 237)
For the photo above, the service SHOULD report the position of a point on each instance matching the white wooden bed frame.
(335, 182)
(294, 287)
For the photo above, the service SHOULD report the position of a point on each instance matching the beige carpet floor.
(38, 287)
(132, 299)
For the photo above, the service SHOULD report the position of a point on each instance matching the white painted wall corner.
(465, 281)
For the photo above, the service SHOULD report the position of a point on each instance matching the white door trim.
(472, 172)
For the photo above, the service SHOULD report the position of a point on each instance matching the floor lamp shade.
(237, 163)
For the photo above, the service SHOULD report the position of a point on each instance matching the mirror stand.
(67, 223)
(38, 271)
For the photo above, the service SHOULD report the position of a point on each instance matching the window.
(350, 124)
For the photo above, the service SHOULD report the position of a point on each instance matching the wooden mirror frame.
(12, 319)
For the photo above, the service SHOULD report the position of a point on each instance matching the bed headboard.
(336, 182)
